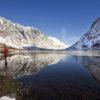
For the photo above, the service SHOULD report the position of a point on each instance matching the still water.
(51, 76)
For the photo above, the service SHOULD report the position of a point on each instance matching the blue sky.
(66, 20)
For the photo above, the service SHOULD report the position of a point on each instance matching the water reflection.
(92, 63)
(19, 65)
(50, 77)
(12, 89)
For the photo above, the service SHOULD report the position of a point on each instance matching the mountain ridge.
(19, 36)
(90, 40)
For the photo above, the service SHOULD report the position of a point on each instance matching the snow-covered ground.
(6, 98)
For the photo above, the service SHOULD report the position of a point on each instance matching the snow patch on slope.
(56, 41)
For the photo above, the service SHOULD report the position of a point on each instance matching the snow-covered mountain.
(17, 36)
(91, 39)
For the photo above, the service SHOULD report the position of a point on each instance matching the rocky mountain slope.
(17, 36)
(91, 39)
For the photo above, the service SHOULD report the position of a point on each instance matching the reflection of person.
(5, 52)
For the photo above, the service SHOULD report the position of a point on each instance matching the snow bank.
(6, 98)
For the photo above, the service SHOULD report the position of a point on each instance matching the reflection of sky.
(65, 59)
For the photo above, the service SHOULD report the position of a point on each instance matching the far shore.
(32, 52)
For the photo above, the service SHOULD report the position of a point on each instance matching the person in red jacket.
(5, 52)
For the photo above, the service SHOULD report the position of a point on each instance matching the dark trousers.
(5, 60)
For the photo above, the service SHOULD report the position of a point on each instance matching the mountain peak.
(91, 39)
(98, 19)
(96, 23)
(1, 18)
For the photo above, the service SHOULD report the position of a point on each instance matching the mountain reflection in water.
(51, 77)
(20, 65)
(92, 63)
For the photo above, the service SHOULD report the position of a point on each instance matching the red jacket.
(5, 51)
